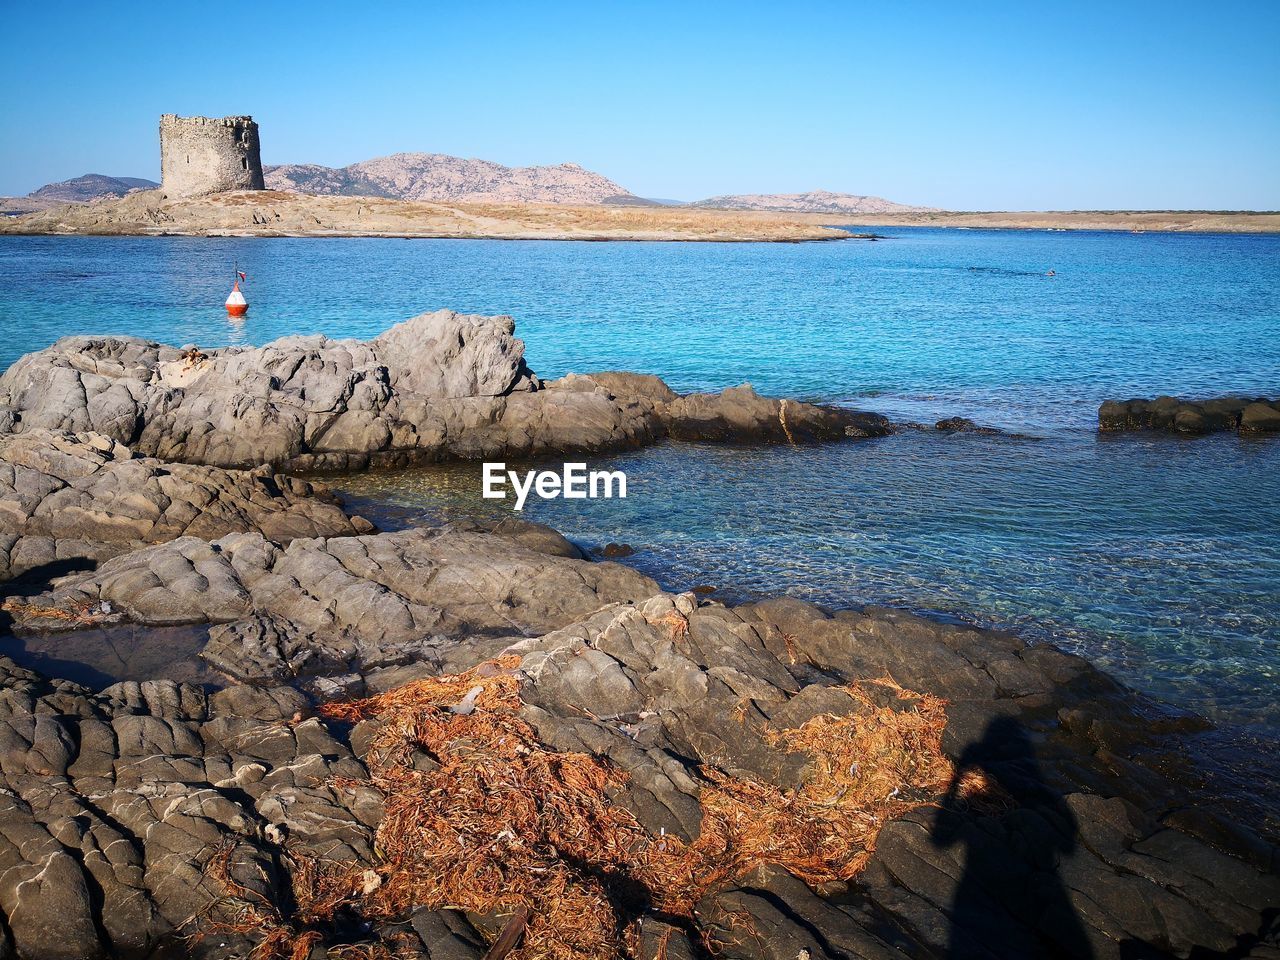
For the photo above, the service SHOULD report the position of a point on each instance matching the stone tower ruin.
(200, 155)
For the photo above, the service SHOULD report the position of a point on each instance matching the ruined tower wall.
(200, 155)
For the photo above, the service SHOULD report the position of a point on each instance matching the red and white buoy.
(237, 306)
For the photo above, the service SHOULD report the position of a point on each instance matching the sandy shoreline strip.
(1134, 221)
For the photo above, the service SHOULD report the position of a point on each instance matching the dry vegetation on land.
(270, 213)
(480, 816)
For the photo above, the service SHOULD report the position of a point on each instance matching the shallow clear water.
(1155, 556)
(1156, 559)
(954, 321)
(100, 657)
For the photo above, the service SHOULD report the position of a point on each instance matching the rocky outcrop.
(129, 810)
(734, 415)
(67, 497)
(1245, 415)
(136, 816)
(442, 385)
(1092, 831)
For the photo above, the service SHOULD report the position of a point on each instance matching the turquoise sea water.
(1156, 557)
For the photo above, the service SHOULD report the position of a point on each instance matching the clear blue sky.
(959, 105)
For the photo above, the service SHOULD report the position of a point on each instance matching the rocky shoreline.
(555, 751)
(66, 498)
(119, 800)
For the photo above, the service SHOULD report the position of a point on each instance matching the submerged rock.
(963, 425)
(951, 426)
(1171, 415)
(85, 497)
(442, 385)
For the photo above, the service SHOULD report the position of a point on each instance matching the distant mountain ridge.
(91, 186)
(815, 201)
(444, 178)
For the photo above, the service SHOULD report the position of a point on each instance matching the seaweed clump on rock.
(481, 816)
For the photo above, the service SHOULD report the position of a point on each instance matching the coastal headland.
(272, 213)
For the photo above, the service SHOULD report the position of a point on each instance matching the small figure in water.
(1051, 273)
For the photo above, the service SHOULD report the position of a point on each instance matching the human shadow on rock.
(1010, 901)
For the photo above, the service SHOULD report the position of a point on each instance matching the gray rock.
(67, 497)
(643, 385)
(535, 536)
(442, 385)
(448, 936)
(1171, 415)
(739, 414)
(318, 604)
(1259, 417)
